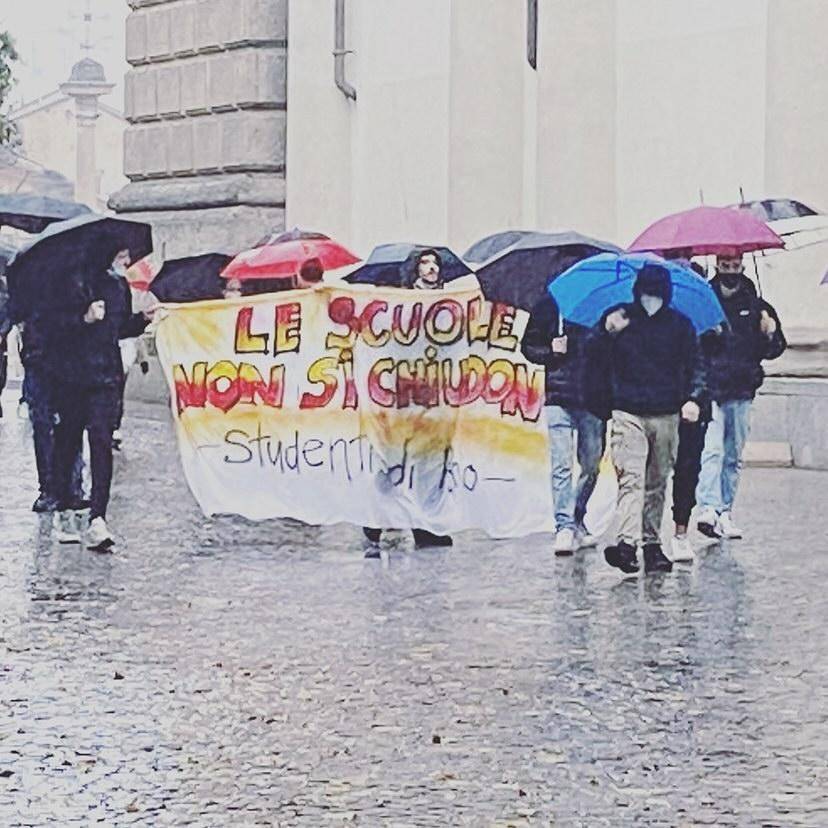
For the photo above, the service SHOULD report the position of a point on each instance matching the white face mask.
(651, 304)
(119, 269)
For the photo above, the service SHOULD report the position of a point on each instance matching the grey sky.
(49, 34)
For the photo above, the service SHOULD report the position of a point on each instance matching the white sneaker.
(727, 528)
(583, 539)
(708, 523)
(67, 527)
(98, 537)
(681, 549)
(564, 542)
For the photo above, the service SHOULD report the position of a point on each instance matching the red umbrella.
(285, 256)
(708, 230)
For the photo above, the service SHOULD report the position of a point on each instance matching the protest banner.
(379, 407)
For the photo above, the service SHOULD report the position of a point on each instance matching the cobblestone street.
(224, 673)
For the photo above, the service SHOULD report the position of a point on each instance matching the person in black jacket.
(5, 328)
(754, 333)
(656, 377)
(561, 347)
(84, 360)
(39, 396)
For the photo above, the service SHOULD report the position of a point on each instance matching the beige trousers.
(643, 452)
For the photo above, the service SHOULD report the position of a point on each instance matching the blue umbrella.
(392, 265)
(591, 287)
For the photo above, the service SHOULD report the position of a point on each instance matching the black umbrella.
(392, 265)
(55, 262)
(191, 279)
(34, 213)
(520, 272)
(483, 250)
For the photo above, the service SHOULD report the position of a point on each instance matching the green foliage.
(8, 56)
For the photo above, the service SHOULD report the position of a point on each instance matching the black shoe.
(45, 503)
(655, 560)
(423, 538)
(372, 535)
(622, 557)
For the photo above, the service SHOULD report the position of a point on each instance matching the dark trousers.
(4, 365)
(94, 410)
(39, 396)
(686, 470)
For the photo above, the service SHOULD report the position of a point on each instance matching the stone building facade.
(206, 98)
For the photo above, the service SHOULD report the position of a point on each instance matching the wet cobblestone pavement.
(223, 673)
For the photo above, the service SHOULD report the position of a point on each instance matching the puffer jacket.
(568, 376)
(736, 364)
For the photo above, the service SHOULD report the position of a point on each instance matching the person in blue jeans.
(573, 418)
(754, 333)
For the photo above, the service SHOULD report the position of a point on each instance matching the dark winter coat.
(568, 380)
(736, 365)
(87, 355)
(655, 364)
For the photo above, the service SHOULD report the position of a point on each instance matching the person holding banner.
(422, 271)
(571, 412)
(84, 360)
(656, 378)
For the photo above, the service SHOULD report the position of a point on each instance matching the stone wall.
(206, 100)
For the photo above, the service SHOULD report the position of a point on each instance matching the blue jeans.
(722, 455)
(563, 424)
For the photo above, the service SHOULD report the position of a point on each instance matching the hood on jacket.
(653, 280)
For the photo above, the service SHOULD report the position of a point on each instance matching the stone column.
(86, 85)
(206, 100)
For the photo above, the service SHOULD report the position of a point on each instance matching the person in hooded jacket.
(754, 333)
(656, 376)
(84, 360)
(561, 347)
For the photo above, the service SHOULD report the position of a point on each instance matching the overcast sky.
(49, 35)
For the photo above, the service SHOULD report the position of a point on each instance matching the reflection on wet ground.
(229, 673)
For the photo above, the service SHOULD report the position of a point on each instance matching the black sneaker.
(44, 503)
(655, 560)
(622, 556)
(372, 535)
(423, 538)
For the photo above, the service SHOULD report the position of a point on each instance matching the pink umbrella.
(708, 230)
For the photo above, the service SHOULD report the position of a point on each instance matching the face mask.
(651, 304)
(730, 280)
(119, 270)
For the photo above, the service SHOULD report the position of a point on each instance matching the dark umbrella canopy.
(190, 279)
(56, 261)
(483, 250)
(392, 265)
(34, 213)
(520, 272)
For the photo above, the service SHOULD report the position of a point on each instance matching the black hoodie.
(735, 367)
(655, 364)
(87, 355)
(568, 376)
